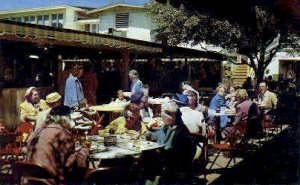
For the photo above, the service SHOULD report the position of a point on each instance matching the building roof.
(115, 6)
(46, 35)
(82, 9)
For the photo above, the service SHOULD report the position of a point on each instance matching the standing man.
(136, 83)
(74, 97)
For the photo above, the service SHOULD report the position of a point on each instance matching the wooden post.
(124, 69)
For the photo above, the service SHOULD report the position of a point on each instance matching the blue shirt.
(137, 86)
(73, 92)
(218, 101)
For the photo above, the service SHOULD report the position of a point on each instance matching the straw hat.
(53, 97)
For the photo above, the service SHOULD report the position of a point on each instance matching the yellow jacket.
(118, 125)
(28, 111)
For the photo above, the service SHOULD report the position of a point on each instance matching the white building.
(125, 21)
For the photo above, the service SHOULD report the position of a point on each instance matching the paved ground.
(276, 162)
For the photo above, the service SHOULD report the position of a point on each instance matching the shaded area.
(275, 163)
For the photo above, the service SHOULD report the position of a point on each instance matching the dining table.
(113, 109)
(229, 113)
(124, 147)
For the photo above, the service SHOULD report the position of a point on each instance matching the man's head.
(132, 115)
(133, 74)
(32, 95)
(192, 96)
(263, 87)
(77, 70)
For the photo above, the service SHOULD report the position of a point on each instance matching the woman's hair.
(242, 94)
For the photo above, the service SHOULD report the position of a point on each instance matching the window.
(60, 20)
(95, 28)
(57, 20)
(122, 20)
(46, 20)
(13, 18)
(40, 20)
(19, 19)
(54, 20)
(87, 27)
(32, 19)
(26, 19)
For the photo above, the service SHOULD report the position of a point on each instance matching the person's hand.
(153, 124)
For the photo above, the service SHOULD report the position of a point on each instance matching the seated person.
(32, 105)
(3, 130)
(194, 104)
(242, 111)
(128, 124)
(121, 98)
(194, 120)
(230, 97)
(267, 100)
(53, 146)
(179, 148)
(218, 101)
(52, 100)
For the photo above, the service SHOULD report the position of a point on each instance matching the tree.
(256, 31)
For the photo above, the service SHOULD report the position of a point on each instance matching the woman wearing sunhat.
(52, 100)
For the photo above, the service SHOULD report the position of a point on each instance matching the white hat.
(29, 91)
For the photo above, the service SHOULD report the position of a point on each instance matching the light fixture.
(34, 56)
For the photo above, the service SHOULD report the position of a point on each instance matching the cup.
(87, 143)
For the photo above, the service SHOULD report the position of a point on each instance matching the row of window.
(55, 20)
(94, 28)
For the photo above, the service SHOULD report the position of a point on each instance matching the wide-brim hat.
(53, 97)
(181, 99)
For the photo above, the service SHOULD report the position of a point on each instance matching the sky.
(23, 4)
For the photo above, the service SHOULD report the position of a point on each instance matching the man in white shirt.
(194, 120)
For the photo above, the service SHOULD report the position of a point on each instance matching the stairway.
(239, 74)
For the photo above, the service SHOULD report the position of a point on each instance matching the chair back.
(104, 175)
(31, 171)
(254, 122)
(95, 128)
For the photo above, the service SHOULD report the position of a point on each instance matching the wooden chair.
(31, 173)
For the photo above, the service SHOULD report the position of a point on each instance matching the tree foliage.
(258, 35)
